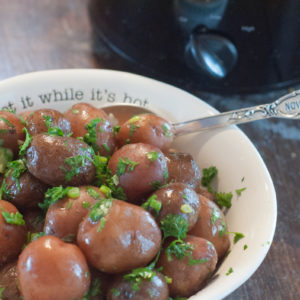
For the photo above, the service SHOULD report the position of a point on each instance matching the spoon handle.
(287, 106)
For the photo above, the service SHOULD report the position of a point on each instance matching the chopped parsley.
(106, 147)
(132, 129)
(152, 156)
(15, 169)
(91, 136)
(239, 191)
(245, 247)
(229, 271)
(125, 165)
(208, 175)
(215, 216)
(69, 205)
(1, 291)
(75, 111)
(12, 218)
(165, 128)
(224, 199)
(223, 229)
(6, 155)
(155, 184)
(180, 250)
(104, 177)
(99, 211)
(52, 130)
(86, 204)
(26, 143)
(137, 276)
(116, 129)
(4, 190)
(152, 203)
(115, 292)
(10, 125)
(94, 290)
(174, 226)
(237, 236)
(52, 195)
(75, 163)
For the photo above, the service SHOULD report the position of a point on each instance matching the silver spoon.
(287, 107)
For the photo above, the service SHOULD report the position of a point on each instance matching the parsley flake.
(1, 291)
(153, 203)
(174, 226)
(237, 236)
(125, 164)
(26, 143)
(91, 136)
(224, 199)
(165, 128)
(208, 175)
(229, 271)
(239, 191)
(245, 247)
(75, 163)
(13, 218)
(152, 156)
(137, 276)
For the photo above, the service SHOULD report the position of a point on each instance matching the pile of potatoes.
(95, 211)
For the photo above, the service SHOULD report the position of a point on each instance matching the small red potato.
(183, 168)
(9, 281)
(58, 160)
(177, 199)
(127, 238)
(141, 168)
(154, 288)
(38, 120)
(189, 276)
(11, 131)
(26, 191)
(12, 236)
(50, 269)
(211, 225)
(83, 115)
(148, 129)
(64, 216)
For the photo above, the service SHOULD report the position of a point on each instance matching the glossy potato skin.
(9, 281)
(129, 239)
(63, 217)
(154, 289)
(46, 160)
(139, 182)
(172, 197)
(36, 121)
(28, 193)
(81, 114)
(11, 130)
(12, 237)
(148, 129)
(183, 168)
(188, 279)
(211, 225)
(50, 269)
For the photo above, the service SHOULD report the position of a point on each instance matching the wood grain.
(49, 34)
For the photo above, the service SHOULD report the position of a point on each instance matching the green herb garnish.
(4, 190)
(208, 175)
(91, 136)
(224, 199)
(125, 165)
(239, 191)
(73, 192)
(132, 129)
(52, 195)
(245, 247)
(13, 218)
(229, 271)
(152, 156)
(166, 130)
(153, 203)
(94, 290)
(100, 209)
(215, 216)
(26, 143)
(1, 291)
(75, 163)
(237, 236)
(137, 276)
(175, 226)
(15, 169)
(115, 292)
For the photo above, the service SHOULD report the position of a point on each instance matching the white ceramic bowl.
(240, 165)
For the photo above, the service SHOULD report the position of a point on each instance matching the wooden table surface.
(50, 34)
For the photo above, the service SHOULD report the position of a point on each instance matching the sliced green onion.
(73, 192)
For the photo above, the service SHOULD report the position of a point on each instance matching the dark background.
(40, 35)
